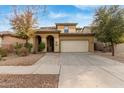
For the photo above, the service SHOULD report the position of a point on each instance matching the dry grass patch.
(14, 60)
(118, 57)
(29, 81)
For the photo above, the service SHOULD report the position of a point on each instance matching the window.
(66, 29)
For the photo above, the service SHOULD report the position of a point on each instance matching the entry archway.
(38, 40)
(50, 43)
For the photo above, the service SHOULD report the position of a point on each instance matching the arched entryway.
(50, 43)
(38, 40)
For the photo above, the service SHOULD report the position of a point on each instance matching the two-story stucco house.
(64, 37)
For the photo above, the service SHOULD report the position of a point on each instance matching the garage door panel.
(74, 46)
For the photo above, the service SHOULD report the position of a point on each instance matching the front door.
(50, 44)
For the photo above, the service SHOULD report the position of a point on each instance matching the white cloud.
(84, 7)
(80, 18)
(57, 15)
(53, 17)
(83, 16)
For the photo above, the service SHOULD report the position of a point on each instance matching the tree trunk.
(112, 47)
(26, 41)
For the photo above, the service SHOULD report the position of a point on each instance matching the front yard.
(26, 80)
(29, 81)
(14, 60)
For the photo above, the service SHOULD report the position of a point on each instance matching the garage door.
(74, 46)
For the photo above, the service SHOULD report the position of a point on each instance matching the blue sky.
(83, 15)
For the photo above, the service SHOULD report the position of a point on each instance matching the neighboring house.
(64, 37)
(8, 39)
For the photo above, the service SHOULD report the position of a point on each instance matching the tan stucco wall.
(89, 38)
(12, 40)
(0, 41)
(58, 38)
(87, 30)
(119, 48)
(72, 29)
(8, 42)
(44, 39)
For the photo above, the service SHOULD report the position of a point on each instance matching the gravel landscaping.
(29, 81)
(14, 60)
(118, 57)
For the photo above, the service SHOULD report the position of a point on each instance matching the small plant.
(17, 47)
(41, 46)
(0, 57)
(3, 52)
(23, 51)
(28, 46)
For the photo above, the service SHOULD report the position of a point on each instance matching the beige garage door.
(74, 46)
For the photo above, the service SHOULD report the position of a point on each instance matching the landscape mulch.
(29, 81)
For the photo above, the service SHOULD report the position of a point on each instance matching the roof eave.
(77, 34)
(66, 24)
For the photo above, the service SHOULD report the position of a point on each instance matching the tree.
(109, 25)
(24, 23)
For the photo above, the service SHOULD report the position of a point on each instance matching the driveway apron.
(80, 70)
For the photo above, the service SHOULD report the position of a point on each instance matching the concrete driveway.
(89, 70)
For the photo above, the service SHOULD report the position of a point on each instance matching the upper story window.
(66, 29)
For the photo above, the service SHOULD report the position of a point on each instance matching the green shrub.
(23, 51)
(28, 46)
(3, 52)
(18, 46)
(41, 46)
(0, 57)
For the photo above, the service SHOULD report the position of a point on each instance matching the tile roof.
(66, 23)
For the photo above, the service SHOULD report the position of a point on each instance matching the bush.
(3, 52)
(28, 46)
(0, 57)
(23, 51)
(41, 46)
(18, 46)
